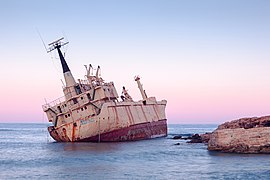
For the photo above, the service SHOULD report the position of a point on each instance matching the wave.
(184, 134)
(4, 129)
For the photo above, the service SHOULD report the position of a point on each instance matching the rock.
(196, 138)
(247, 123)
(177, 144)
(205, 137)
(202, 138)
(177, 137)
(247, 135)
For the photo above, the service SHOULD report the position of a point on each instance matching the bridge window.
(89, 96)
(75, 101)
(78, 89)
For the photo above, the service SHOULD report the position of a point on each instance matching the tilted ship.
(91, 110)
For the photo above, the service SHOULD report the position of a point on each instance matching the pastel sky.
(209, 59)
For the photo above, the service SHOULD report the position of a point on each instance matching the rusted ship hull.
(91, 111)
(136, 132)
(117, 121)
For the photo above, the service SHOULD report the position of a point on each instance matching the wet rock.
(205, 137)
(177, 137)
(246, 135)
(196, 138)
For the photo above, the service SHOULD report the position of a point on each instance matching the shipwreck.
(91, 110)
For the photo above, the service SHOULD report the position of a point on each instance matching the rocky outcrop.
(247, 123)
(247, 135)
(200, 138)
(205, 137)
(194, 138)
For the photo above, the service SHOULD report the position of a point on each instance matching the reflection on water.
(91, 147)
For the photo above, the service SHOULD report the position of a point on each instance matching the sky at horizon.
(209, 59)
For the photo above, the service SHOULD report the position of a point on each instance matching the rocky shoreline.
(246, 135)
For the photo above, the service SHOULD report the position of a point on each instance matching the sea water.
(27, 152)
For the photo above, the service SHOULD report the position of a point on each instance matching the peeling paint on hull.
(141, 131)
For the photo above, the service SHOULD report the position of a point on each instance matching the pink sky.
(210, 61)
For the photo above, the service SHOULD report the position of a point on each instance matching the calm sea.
(27, 152)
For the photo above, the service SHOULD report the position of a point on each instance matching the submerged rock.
(196, 138)
(177, 137)
(247, 135)
(183, 136)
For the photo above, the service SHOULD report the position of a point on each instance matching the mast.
(137, 79)
(62, 59)
(69, 79)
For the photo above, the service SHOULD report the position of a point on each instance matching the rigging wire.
(66, 47)
(54, 62)
(42, 39)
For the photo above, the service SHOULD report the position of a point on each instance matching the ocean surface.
(27, 152)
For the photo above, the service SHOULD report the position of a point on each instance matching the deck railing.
(54, 103)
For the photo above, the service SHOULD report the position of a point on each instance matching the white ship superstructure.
(91, 110)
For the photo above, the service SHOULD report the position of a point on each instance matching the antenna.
(56, 44)
(64, 35)
(41, 40)
(56, 41)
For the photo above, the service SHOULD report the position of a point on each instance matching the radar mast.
(69, 79)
